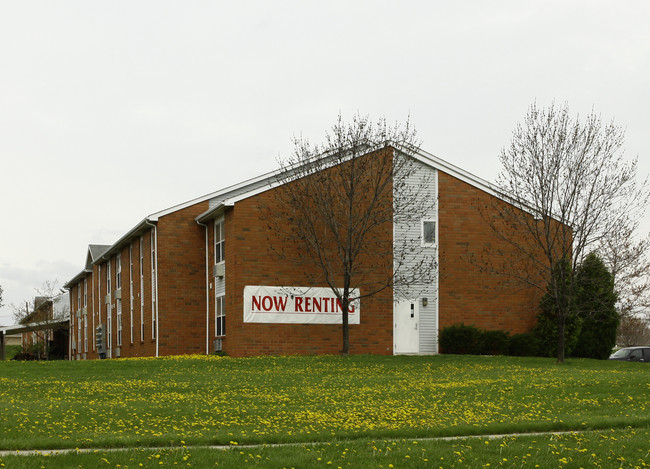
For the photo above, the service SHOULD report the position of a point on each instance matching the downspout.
(70, 328)
(207, 293)
(92, 298)
(155, 238)
(437, 261)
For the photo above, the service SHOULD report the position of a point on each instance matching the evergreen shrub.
(494, 343)
(524, 345)
(460, 339)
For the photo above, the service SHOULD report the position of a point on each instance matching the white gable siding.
(428, 317)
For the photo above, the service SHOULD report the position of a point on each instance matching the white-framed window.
(108, 278)
(219, 242)
(85, 292)
(99, 294)
(78, 297)
(131, 290)
(153, 284)
(79, 333)
(118, 272)
(109, 331)
(141, 288)
(219, 316)
(85, 333)
(118, 304)
(428, 233)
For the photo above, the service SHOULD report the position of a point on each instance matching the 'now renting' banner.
(296, 305)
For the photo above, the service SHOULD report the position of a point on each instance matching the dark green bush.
(25, 356)
(524, 345)
(463, 339)
(460, 339)
(494, 343)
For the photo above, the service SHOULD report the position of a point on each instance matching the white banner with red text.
(297, 305)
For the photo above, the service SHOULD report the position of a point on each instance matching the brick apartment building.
(174, 282)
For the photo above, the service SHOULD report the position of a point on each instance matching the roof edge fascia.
(438, 163)
(136, 230)
(273, 181)
(213, 195)
(76, 278)
(471, 179)
(215, 211)
(421, 155)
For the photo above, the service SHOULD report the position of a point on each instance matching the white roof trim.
(459, 173)
(213, 195)
(421, 155)
(271, 177)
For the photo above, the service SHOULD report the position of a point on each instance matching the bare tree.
(570, 188)
(633, 330)
(43, 316)
(339, 202)
(627, 257)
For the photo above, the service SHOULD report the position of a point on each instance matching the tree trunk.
(345, 304)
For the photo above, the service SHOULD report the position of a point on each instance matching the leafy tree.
(596, 306)
(569, 187)
(339, 200)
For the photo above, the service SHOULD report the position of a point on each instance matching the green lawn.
(598, 449)
(363, 403)
(12, 350)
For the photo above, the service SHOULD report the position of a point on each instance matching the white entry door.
(406, 334)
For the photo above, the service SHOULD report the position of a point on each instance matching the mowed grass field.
(360, 411)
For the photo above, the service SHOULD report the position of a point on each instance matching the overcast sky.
(110, 111)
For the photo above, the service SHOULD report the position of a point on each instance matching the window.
(219, 316)
(153, 284)
(85, 292)
(131, 290)
(109, 332)
(85, 333)
(118, 304)
(219, 242)
(99, 293)
(428, 233)
(108, 278)
(118, 272)
(141, 289)
(78, 297)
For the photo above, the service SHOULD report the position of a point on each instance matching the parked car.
(632, 354)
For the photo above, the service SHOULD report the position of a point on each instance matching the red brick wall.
(250, 260)
(97, 291)
(181, 291)
(181, 282)
(141, 346)
(467, 294)
(75, 305)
